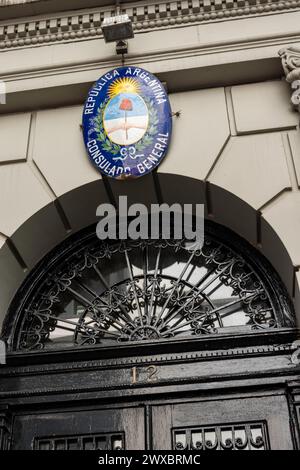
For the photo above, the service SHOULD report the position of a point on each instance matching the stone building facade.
(230, 68)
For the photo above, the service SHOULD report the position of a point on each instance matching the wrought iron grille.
(102, 441)
(251, 436)
(95, 293)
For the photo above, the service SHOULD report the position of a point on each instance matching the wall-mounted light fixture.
(118, 29)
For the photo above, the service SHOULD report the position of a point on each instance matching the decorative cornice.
(122, 387)
(256, 351)
(85, 24)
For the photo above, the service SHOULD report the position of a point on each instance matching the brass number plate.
(143, 374)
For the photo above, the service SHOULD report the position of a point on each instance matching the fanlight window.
(95, 293)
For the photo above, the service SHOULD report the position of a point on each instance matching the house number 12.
(151, 372)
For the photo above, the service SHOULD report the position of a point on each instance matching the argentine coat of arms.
(127, 123)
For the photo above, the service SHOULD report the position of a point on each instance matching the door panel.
(242, 423)
(252, 423)
(96, 429)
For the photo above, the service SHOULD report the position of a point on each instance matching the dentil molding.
(85, 24)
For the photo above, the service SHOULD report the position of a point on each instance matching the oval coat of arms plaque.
(127, 123)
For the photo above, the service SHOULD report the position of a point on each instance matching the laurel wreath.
(114, 148)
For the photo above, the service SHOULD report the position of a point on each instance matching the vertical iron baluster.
(174, 287)
(132, 280)
(145, 283)
(154, 282)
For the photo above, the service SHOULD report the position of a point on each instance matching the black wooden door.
(258, 423)
(107, 429)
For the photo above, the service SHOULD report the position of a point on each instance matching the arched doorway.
(150, 345)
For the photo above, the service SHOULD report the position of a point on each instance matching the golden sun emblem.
(123, 85)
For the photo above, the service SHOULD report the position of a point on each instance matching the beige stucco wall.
(235, 147)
